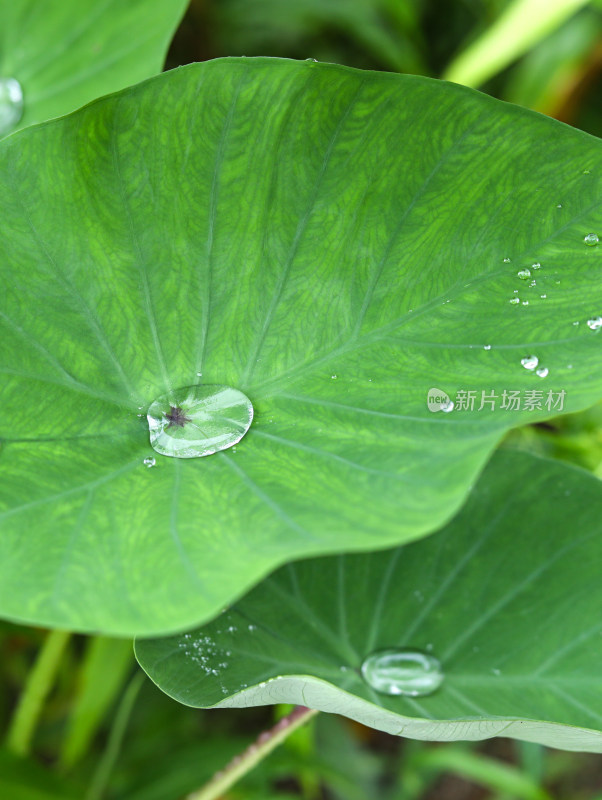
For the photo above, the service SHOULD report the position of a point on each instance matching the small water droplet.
(506, 261)
(514, 300)
(586, 172)
(591, 239)
(496, 672)
(196, 421)
(529, 362)
(542, 372)
(543, 296)
(447, 407)
(525, 302)
(312, 60)
(402, 672)
(524, 273)
(199, 374)
(595, 323)
(576, 322)
(333, 377)
(537, 265)
(11, 104)
(149, 462)
(486, 347)
(559, 205)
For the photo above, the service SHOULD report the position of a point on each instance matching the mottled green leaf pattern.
(332, 243)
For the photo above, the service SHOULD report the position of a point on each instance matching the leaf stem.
(256, 752)
(105, 766)
(38, 684)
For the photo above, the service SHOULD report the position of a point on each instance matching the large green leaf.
(507, 597)
(328, 241)
(65, 53)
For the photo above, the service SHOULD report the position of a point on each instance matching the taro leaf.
(330, 242)
(507, 596)
(65, 53)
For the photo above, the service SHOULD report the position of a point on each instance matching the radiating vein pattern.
(333, 244)
(506, 599)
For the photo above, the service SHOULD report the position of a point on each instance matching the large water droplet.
(407, 672)
(11, 104)
(529, 362)
(591, 239)
(523, 274)
(595, 323)
(196, 421)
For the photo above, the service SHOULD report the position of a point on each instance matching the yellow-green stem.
(38, 684)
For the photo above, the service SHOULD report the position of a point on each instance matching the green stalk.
(101, 777)
(38, 684)
(256, 752)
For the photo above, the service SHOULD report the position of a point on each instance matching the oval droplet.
(196, 421)
(405, 672)
(591, 239)
(595, 323)
(523, 274)
(514, 300)
(529, 362)
(11, 104)
(149, 462)
(537, 265)
(542, 372)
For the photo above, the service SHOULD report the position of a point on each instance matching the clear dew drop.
(595, 323)
(11, 104)
(537, 265)
(542, 372)
(402, 672)
(196, 421)
(149, 462)
(529, 362)
(525, 302)
(486, 347)
(591, 240)
(447, 407)
(514, 300)
(507, 261)
(523, 274)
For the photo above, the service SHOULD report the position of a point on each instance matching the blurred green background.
(105, 731)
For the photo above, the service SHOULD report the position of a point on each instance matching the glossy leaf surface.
(507, 597)
(333, 244)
